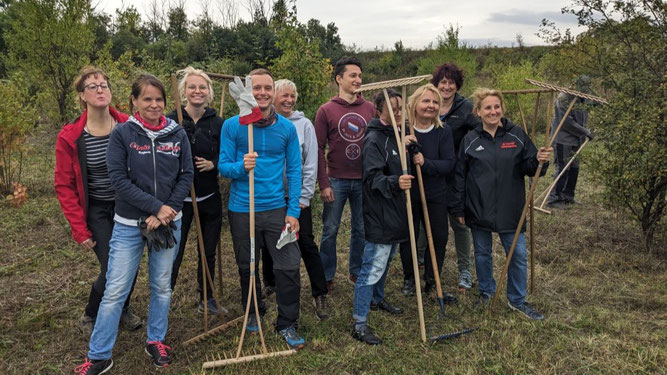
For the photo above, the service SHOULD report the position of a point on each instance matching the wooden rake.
(536, 178)
(403, 83)
(206, 273)
(252, 295)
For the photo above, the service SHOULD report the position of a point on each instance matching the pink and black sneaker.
(159, 352)
(94, 367)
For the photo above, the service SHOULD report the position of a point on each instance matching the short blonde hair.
(482, 93)
(283, 84)
(416, 97)
(190, 71)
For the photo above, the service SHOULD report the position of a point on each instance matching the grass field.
(605, 302)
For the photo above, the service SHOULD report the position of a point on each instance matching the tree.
(302, 63)
(49, 41)
(177, 21)
(625, 49)
(450, 50)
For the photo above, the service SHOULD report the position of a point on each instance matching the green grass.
(605, 301)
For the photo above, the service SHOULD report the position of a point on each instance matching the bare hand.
(544, 154)
(418, 159)
(410, 139)
(203, 165)
(166, 214)
(461, 220)
(88, 244)
(293, 223)
(152, 222)
(249, 161)
(302, 206)
(327, 195)
(405, 181)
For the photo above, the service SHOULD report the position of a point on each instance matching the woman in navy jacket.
(494, 159)
(150, 168)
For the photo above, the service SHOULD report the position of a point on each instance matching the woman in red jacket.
(82, 183)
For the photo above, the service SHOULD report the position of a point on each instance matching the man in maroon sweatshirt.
(341, 124)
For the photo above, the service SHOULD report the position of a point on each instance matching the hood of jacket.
(376, 125)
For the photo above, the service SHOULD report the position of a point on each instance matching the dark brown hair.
(450, 71)
(143, 81)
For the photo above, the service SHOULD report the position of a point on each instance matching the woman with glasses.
(203, 126)
(82, 183)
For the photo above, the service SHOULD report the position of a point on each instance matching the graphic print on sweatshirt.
(352, 127)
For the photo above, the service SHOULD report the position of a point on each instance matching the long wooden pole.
(219, 251)
(408, 204)
(252, 294)
(553, 184)
(523, 118)
(529, 199)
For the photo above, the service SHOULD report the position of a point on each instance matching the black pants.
(438, 217)
(210, 217)
(100, 222)
(309, 253)
(564, 189)
(268, 225)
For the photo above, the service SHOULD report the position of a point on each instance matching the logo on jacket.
(353, 151)
(479, 148)
(169, 148)
(352, 127)
(508, 145)
(141, 149)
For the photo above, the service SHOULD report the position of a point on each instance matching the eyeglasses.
(94, 87)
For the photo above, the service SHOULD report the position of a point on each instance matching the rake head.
(567, 91)
(230, 359)
(393, 83)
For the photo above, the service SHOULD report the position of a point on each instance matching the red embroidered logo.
(508, 145)
(135, 146)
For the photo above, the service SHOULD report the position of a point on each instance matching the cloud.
(526, 17)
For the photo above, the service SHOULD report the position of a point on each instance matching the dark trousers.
(100, 222)
(210, 217)
(564, 189)
(438, 217)
(268, 225)
(309, 253)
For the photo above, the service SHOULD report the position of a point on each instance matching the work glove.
(589, 134)
(152, 237)
(249, 110)
(413, 149)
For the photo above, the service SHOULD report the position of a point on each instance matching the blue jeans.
(517, 272)
(343, 190)
(126, 249)
(370, 283)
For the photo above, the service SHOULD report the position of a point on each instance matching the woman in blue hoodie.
(150, 168)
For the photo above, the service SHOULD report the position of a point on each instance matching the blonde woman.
(203, 126)
(490, 193)
(436, 159)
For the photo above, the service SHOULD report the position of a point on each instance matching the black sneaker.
(483, 301)
(94, 367)
(365, 335)
(409, 288)
(527, 310)
(386, 306)
(159, 352)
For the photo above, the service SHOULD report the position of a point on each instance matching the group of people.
(123, 183)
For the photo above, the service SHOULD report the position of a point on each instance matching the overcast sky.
(380, 23)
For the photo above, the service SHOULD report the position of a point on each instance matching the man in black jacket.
(385, 215)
